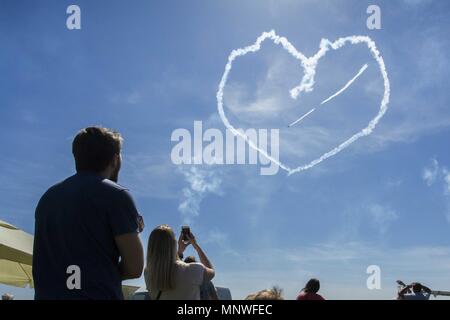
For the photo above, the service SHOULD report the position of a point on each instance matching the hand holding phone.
(185, 234)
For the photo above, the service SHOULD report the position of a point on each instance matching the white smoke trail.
(307, 83)
(302, 117)
(200, 183)
(363, 68)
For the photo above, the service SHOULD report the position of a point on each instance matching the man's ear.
(117, 160)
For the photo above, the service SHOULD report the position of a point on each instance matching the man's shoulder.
(94, 181)
(189, 266)
(57, 187)
(195, 269)
(116, 191)
(113, 186)
(52, 196)
(84, 182)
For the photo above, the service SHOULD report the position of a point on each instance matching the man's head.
(97, 149)
(416, 287)
(190, 259)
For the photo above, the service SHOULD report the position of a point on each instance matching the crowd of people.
(87, 238)
(87, 235)
(413, 291)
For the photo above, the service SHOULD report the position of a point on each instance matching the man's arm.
(209, 269)
(426, 289)
(131, 255)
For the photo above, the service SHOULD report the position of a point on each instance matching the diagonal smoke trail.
(302, 117)
(363, 68)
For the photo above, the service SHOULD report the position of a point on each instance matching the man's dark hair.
(95, 147)
(312, 286)
(190, 259)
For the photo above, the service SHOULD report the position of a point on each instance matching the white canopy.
(16, 255)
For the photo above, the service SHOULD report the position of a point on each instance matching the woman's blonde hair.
(161, 259)
(275, 293)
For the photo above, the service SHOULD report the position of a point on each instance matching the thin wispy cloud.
(382, 217)
(222, 241)
(434, 174)
(431, 172)
(149, 176)
(446, 174)
(416, 2)
(132, 97)
(365, 220)
(200, 183)
(446, 178)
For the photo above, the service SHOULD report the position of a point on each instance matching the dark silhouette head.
(416, 287)
(190, 259)
(312, 286)
(97, 149)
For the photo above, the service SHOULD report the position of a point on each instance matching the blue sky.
(149, 68)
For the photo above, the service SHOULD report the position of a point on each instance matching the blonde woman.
(166, 276)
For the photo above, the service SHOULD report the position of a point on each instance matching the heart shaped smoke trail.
(309, 65)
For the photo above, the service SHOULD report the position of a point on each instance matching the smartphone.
(185, 231)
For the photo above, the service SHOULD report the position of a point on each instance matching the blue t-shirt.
(76, 222)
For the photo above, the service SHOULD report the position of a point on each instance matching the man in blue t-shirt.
(86, 230)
